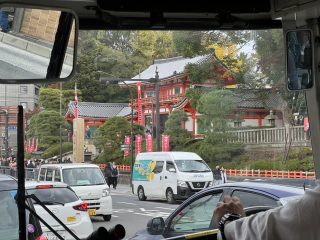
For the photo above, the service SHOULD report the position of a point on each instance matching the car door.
(194, 216)
(156, 188)
(170, 178)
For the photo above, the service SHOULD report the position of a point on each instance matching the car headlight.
(182, 184)
(210, 184)
(105, 192)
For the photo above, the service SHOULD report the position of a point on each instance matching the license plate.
(52, 236)
(92, 212)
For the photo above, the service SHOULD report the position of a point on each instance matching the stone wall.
(42, 24)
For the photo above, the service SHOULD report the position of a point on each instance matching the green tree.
(178, 135)
(218, 142)
(50, 98)
(46, 127)
(110, 136)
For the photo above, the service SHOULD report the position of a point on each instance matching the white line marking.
(166, 208)
(128, 203)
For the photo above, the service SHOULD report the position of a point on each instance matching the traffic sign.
(12, 128)
(125, 147)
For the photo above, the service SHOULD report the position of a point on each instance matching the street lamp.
(131, 134)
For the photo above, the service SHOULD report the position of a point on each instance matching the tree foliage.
(46, 127)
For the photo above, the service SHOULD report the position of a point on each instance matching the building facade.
(26, 95)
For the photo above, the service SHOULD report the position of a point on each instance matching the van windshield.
(192, 166)
(83, 176)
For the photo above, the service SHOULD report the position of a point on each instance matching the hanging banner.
(149, 144)
(36, 147)
(25, 145)
(165, 143)
(29, 146)
(138, 144)
(306, 124)
(127, 141)
(139, 103)
(32, 145)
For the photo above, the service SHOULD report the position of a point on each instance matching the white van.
(170, 175)
(86, 180)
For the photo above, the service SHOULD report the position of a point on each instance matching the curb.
(31, 47)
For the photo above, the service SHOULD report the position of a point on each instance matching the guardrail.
(120, 167)
(30, 173)
(270, 173)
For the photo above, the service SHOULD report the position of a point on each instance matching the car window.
(49, 175)
(57, 177)
(61, 195)
(196, 216)
(169, 165)
(82, 176)
(9, 221)
(159, 167)
(42, 174)
(250, 199)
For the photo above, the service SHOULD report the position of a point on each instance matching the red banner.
(36, 147)
(32, 145)
(149, 143)
(139, 103)
(138, 144)
(306, 124)
(76, 101)
(127, 141)
(29, 146)
(165, 143)
(25, 145)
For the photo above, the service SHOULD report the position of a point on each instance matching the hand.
(228, 205)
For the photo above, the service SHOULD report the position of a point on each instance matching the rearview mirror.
(299, 59)
(37, 44)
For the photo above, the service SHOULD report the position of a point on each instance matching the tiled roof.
(250, 100)
(100, 110)
(171, 66)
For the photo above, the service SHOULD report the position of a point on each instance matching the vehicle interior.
(300, 18)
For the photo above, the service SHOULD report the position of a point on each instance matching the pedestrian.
(30, 165)
(4, 14)
(223, 175)
(108, 174)
(115, 174)
(217, 175)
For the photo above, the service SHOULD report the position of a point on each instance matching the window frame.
(185, 204)
(23, 87)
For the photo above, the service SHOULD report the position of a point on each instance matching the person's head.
(114, 163)
(217, 166)
(222, 168)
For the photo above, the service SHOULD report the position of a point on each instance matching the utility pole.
(60, 144)
(157, 111)
(6, 139)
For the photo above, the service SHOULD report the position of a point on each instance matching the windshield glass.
(54, 195)
(82, 176)
(192, 166)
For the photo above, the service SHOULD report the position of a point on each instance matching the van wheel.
(170, 197)
(106, 218)
(141, 195)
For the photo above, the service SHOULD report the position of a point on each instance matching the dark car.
(9, 217)
(196, 213)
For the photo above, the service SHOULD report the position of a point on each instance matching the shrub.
(54, 150)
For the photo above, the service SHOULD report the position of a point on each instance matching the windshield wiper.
(52, 202)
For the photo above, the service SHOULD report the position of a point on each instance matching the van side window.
(42, 174)
(159, 167)
(57, 177)
(49, 175)
(170, 165)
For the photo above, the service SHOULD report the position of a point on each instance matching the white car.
(65, 204)
(86, 180)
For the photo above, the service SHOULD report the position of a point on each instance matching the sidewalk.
(122, 189)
